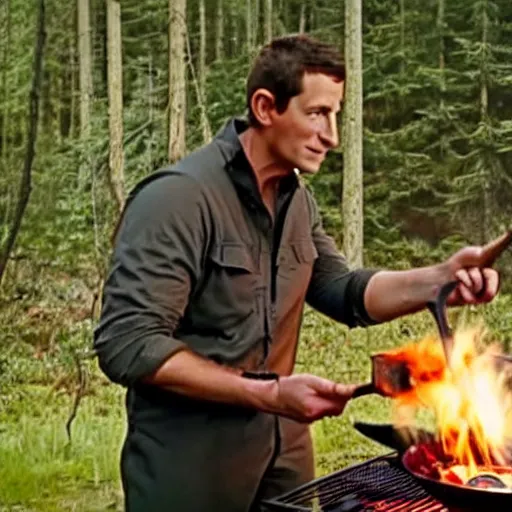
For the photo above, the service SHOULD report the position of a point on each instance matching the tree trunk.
(352, 200)
(202, 47)
(484, 93)
(236, 47)
(219, 36)
(84, 79)
(73, 78)
(85, 67)
(115, 101)
(99, 44)
(5, 86)
(268, 20)
(5, 167)
(177, 79)
(151, 107)
(486, 214)
(312, 17)
(205, 124)
(402, 37)
(33, 119)
(440, 30)
(47, 94)
(249, 26)
(302, 19)
(67, 85)
(258, 26)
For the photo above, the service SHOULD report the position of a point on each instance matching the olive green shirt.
(199, 263)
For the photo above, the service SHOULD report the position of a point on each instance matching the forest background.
(97, 94)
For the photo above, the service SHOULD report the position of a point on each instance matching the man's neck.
(267, 171)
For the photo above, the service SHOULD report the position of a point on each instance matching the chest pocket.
(295, 265)
(233, 281)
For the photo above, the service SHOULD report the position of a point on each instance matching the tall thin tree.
(85, 77)
(249, 25)
(5, 82)
(5, 166)
(177, 79)
(85, 66)
(440, 22)
(201, 68)
(268, 20)
(219, 35)
(200, 93)
(32, 122)
(402, 37)
(115, 101)
(302, 18)
(485, 208)
(352, 201)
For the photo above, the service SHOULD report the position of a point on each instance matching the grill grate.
(373, 486)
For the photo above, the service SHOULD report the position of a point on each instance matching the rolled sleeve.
(156, 263)
(334, 289)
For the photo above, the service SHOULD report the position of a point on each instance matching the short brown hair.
(281, 64)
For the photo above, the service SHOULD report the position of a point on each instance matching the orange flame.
(471, 400)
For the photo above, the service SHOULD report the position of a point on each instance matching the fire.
(471, 400)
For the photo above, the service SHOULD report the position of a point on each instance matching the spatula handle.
(438, 310)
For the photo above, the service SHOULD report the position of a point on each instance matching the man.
(213, 262)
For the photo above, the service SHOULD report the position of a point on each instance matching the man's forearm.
(191, 375)
(302, 397)
(390, 294)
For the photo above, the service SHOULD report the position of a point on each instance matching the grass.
(40, 471)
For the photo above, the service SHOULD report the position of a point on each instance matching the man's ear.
(263, 105)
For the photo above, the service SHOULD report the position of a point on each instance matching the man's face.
(301, 136)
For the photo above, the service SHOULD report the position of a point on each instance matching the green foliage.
(434, 163)
(437, 160)
(431, 152)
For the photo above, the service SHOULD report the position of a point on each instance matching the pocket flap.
(301, 251)
(232, 255)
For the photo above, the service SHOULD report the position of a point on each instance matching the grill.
(379, 484)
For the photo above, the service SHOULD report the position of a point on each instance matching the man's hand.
(304, 398)
(307, 398)
(471, 266)
(477, 284)
(390, 294)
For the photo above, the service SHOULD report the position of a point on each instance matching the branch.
(78, 395)
(205, 124)
(33, 117)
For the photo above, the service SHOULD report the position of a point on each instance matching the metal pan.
(407, 441)
(390, 377)
(390, 374)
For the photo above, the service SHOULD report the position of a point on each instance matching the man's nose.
(329, 132)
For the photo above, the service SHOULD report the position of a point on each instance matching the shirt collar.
(238, 167)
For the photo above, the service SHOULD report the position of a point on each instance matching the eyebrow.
(318, 106)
